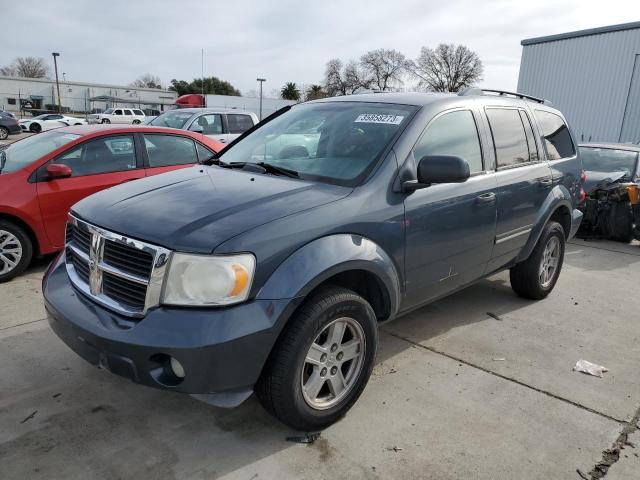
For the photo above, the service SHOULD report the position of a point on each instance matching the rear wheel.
(16, 250)
(35, 128)
(537, 275)
(136, 122)
(322, 361)
(105, 120)
(4, 133)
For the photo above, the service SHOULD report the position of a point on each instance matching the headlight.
(208, 279)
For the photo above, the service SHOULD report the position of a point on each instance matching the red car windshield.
(24, 152)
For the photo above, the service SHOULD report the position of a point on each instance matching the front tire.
(16, 250)
(537, 275)
(322, 361)
(136, 122)
(4, 133)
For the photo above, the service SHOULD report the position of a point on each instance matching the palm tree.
(315, 92)
(290, 92)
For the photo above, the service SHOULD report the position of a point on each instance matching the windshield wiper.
(262, 167)
(271, 168)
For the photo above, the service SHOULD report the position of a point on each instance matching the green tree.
(212, 85)
(290, 91)
(315, 92)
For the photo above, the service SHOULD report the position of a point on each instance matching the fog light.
(177, 368)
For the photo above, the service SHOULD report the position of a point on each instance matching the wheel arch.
(26, 227)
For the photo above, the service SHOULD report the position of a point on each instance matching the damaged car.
(611, 208)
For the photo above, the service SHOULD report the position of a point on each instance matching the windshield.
(24, 152)
(336, 142)
(608, 160)
(108, 111)
(175, 119)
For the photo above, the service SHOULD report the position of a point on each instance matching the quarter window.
(557, 139)
(203, 152)
(455, 134)
(138, 112)
(165, 150)
(509, 137)
(239, 123)
(103, 155)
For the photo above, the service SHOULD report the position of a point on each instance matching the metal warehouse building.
(593, 76)
(79, 97)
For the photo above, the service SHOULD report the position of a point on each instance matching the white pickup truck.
(118, 115)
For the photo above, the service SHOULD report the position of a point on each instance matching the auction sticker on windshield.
(378, 118)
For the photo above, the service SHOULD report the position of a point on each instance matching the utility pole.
(261, 80)
(55, 65)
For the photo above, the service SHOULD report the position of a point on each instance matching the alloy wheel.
(10, 252)
(549, 263)
(333, 363)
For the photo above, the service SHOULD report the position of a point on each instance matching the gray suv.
(270, 269)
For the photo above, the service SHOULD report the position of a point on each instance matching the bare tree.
(345, 80)
(385, 67)
(147, 81)
(448, 68)
(28, 67)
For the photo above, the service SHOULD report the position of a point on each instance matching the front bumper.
(221, 350)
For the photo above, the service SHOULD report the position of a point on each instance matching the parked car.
(8, 125)
(48, 173)
(221, 125)
(131, 116)
(612, 206)
(4, 113)
(271, 269)
(49, 121)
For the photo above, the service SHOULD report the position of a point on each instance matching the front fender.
(558, 197)
(325, 257)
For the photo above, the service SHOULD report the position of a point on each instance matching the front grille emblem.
(96, 251)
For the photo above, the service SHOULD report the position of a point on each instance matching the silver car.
(221, 125)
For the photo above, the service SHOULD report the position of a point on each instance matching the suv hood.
(196, 209)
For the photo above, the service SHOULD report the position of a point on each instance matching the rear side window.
(455, 134)
(239, 123)
(557, 139)
(165, 150)
(509, 137)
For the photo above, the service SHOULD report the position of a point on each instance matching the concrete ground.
(14, 138)
(478, 385)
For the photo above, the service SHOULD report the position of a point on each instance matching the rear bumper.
(13, 128)
(221, 350)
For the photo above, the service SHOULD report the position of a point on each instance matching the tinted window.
(557, 139)
(531, 142)
(239, 123)
(103, 155)
(203, 152)
(608, 160)
(138, 112)
(455, 134)
(128, 112)
(211, 124)
(118, 112)
(163, 150)
(508, 136)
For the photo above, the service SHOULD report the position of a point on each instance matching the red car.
(42, 176)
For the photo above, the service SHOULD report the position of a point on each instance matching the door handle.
(546, 182)
(222, 140)
(486, 198)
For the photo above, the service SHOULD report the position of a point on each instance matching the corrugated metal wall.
(587, 77)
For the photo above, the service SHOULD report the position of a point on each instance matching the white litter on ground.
(590, 368)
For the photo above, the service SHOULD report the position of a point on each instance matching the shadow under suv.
(270, 269)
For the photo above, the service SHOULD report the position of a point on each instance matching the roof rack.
(482, 91)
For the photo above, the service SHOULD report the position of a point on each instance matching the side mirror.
(197, 128)
(439, 169)
(58, 170)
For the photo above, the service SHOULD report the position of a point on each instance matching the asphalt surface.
(478, 385)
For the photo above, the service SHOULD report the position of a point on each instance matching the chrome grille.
(118, 272)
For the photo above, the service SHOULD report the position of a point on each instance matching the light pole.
(261, 80)
(55, 65)
(64, 76)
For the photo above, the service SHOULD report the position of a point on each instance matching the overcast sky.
(281, 40)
